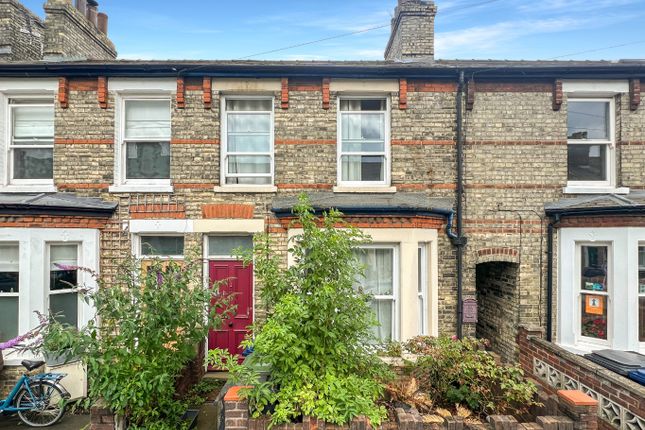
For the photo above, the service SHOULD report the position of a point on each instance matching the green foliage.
(455, 371)
(149, 321)
(315, 340)
(199, 393)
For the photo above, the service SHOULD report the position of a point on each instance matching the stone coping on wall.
(573, 410)
(621, 400)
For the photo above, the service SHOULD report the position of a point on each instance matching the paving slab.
(69, 422)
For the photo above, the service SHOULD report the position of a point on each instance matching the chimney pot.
(92, 13)
(102, 20)
(81, 5)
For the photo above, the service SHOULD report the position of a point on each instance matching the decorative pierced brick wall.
(621, 401)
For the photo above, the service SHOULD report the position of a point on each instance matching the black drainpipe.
(460, 240)
(549, 279)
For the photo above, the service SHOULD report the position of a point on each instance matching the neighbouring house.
(498, 194)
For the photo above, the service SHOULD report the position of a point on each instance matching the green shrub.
(455, 371)
(316, 337)
(151, 320)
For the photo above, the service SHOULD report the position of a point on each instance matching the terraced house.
(498, 194)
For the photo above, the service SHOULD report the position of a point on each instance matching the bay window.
(31, 144)
(590, 138)
(363, 147)
(641, 293)
(247, 150)
(381, 281)
(39, 272)
(601, 289)
(63, 278)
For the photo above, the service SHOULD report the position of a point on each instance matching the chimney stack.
(412, 36)
(102, 20)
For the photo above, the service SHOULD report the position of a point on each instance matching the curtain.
(33, 122)
(149, 119)
(379, 281)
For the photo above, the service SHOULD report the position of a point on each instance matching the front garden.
(314, 357)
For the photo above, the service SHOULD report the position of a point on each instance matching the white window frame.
(137, 243)
(121, 183)
(395, 296)
(16, 294)
(639, 295)
(607, 294)
(33, 292)
(622, 280)
(66, 290)
(224, 149)
(610, 161)
(387, 144)
(222, 257)
(422, 292)
(21, 88)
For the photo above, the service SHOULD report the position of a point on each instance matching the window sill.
(594, 190)
(246, 189)
(141, 188)
(367, 189)
(12, 188)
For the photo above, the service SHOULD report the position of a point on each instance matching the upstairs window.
(146, 140)
(363, 142)
(31, 146)
(248, 141)
(590, 141)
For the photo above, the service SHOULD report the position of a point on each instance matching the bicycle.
(39, 400)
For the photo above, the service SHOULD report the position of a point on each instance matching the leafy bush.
(151, 320)
(316, 338)
(455, 371)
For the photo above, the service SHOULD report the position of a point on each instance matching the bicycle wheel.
(45, 404)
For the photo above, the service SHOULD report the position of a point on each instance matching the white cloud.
(489, 38)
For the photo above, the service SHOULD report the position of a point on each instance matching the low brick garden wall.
(572, 410)
(621, 401)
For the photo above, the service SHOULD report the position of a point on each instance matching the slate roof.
(441, 69)
(633, 202)
(54, 204)
(369, 204)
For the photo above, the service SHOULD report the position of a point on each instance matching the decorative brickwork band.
(325, 93)
(181, 93)
(557, 95)
(157, 211)
(470, 95)
(634, 93)
(486, 255)
(102, 92)
(403, 93)
(207, 87)
(63, 93)
(284, 97)
(228, 211)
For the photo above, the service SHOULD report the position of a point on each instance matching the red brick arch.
(509, 255)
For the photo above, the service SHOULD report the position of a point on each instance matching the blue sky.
(500, 29)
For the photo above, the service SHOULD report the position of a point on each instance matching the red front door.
(239, 282)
